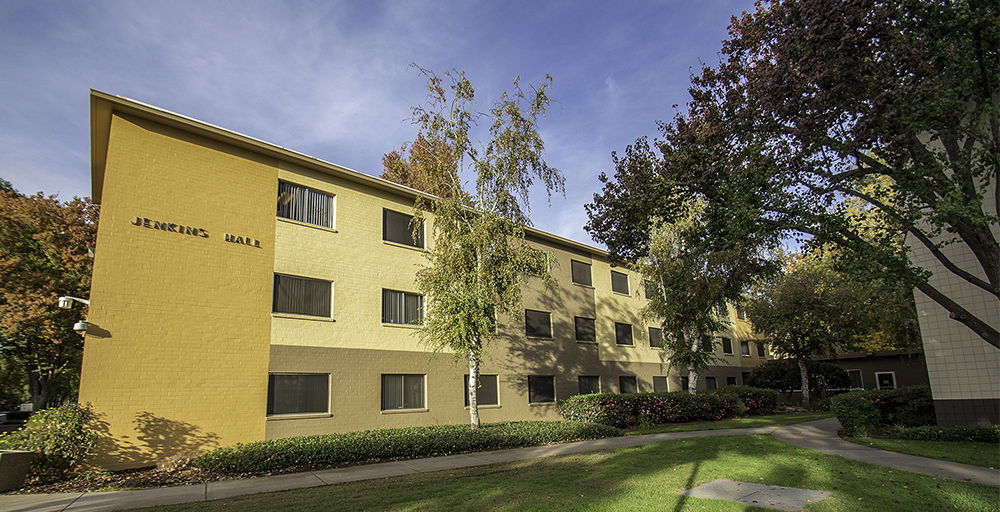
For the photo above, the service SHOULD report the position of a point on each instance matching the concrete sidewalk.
(818, 435)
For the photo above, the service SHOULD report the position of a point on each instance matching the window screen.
(586, 329)
(659, 384)
(581, 272)
(623, 334)
(402, 392)
(727, 346)
(299, 203)
(710, 383)
(628, 384)
(619, 282)
(302, 296)
(298, 393)
(541, 389)
(486, 393)
(396, 227)
(537, 324)
(590, 384)
(655, 337)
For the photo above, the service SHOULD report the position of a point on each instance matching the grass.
(986, 455)
(641, 478)
(748, 422)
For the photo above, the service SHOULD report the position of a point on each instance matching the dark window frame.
(761, 349)
(727, 346)
(577, 269)
(589, 331)
(660, 384)
(316, 297)
(310, 396)
(628, 384)
(307, 205)
(619, 330)
(655, 337)
(536, 327)
(711, 383)
(391, 232)
(488, 383)
(406, 396)
(541, 389)
(617, 281)
(745, 348)
(393, 315)
(585, 384)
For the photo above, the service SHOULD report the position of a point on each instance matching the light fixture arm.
(66, 301)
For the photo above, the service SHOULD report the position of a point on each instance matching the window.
(590, 384)
(650, 289)
(856, 382)
(302, 296)
(537, 324)
(745, 348)
(398, 227)
(541, 389)
(623, 334)
(581, 272)
(684, 384)
(627, 384)
(760, 349)
(741, 314)
(298, 393)
(710, 383)
(885, 380)
(401, 308)
(727, 346)
(659, 384)
(402, 392)
(486, 393)
(299, 203)
(619, 282)
(730, 381)
(655, 337)
(586, 329)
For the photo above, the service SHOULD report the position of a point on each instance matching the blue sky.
(331, 79)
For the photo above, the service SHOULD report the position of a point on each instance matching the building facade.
(243, 291)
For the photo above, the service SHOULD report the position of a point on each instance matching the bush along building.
(243, 292)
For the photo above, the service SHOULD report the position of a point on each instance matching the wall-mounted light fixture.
(66, 302)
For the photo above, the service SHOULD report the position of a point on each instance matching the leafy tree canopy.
(44, 254)
(824, 109)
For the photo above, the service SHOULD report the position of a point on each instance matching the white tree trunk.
(473, 386)
(805, 383)
(692, 369)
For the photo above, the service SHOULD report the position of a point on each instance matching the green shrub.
(354, 447)
(628, 410)
(783, 375)
(61, 437)
(755, 401)
(863, 412)
(979, 434)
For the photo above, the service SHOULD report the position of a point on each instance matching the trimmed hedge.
(391, 443)
(626, 410)
(864, 412)
(979, 433)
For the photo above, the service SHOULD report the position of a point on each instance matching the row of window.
(309, 393)
(581, 274)
(309, 206)
(314, 297)
(727, 347)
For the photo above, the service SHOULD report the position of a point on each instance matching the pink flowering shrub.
(627, 410)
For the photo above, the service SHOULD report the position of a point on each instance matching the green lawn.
(641, 478)
(986, 455)
(748, 422)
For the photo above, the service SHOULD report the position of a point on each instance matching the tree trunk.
(39, 389)
(805, 383)
(473, 387)
(692, 368)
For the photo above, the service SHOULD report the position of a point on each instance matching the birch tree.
(478, 257)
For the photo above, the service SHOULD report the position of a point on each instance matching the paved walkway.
(818, 435)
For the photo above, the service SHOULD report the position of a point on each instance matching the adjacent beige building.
(243, 291)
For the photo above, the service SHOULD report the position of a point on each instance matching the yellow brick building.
(243, 291)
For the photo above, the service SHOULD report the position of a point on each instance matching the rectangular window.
(581, 272)
(619, 282)
(302, 296)
(727, 346)
(537, 324)
(590, 384)
(655, 338)
(741, 314)
(730, 381)
(684, 384)
(745, 348)
(856, 382)
(650, 289)
(541, 389)
(303, 204)
(401, 307)
(885, 380)
(710, 383)
(299, 393)
(659, 384)
(486, 393)
(398, 227)
(623, 334)
(760, 349)
(628, 384)
(586, 329)
(402, 392)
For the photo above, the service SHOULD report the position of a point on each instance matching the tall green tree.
(807, 312)
(812, 102)
(44, 254)
(478, 257)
